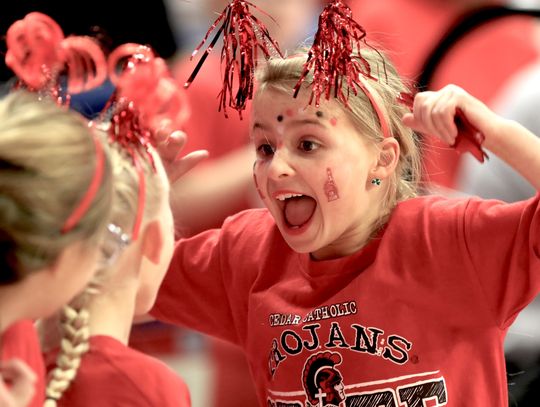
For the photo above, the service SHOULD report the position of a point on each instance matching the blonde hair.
(283, 74)
(74, 320)
(47, 161)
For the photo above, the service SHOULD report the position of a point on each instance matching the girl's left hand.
(435, 113)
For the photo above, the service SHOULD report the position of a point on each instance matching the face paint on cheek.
(255, 164)
(333, 121)
(330, 187)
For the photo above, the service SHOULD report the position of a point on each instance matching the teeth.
(283, 197)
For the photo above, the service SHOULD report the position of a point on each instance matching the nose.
(281, 165)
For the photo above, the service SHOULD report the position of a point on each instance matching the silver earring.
(376, 181)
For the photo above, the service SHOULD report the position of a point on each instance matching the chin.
(301, 247)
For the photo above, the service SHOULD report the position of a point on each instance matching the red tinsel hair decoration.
(243, 36)
(146, 100)
(39, 53)
(335, 55)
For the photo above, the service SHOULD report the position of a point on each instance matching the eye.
(308, 145)
(265, 150)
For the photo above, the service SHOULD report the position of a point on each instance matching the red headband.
(81, 209)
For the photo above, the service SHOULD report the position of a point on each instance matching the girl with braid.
(55, 194)
(94, 364)
(55, 198)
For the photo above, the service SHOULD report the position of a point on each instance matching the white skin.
(21, 380)
(44, 291)
(132, 283)
(340, 389)
(434, 112)
(38, 296)
(293, 157)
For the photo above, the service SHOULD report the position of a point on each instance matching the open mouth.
(297, 209)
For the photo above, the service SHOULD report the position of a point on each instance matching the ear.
(387, 159)
(152, 241)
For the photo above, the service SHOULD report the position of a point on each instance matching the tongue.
(299, 210)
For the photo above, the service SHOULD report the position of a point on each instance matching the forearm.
(518, 147)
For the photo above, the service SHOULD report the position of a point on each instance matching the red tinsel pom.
(243, 36)
(146, 93)
(335, 55)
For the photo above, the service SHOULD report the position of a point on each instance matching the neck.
(111, 313)
(8, 307)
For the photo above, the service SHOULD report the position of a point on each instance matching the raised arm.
(434, 113)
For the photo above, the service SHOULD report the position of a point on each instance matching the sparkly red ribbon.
(38, 53)
(146, 97)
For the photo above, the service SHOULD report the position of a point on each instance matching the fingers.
(434, 113)
(22, 382)
(181, 165)
(170, 146)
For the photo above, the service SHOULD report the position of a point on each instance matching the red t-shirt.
(419, 314)
(21, 341)
(112, 374)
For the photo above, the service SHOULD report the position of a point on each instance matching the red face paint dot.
(289, 112)
(333, 121)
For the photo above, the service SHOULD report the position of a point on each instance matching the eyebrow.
(294, 122)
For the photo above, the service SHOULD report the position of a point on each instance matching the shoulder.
(431, 213)
(144, 380)
(441, 213)
(430, 204)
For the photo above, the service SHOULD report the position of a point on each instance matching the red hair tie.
(243, 36)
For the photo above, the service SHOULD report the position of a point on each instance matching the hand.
(434, 113)
(17, 384)
(169, 146)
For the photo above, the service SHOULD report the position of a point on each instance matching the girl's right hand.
(17, 384)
